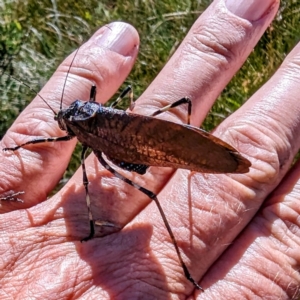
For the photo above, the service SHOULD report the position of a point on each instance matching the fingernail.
(119, 37)
(251, 10)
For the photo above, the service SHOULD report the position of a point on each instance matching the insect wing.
(182, 146)
(144, 140)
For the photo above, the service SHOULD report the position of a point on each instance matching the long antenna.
(62, 94)
(31, 89)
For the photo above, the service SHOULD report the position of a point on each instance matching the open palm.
(238, 234)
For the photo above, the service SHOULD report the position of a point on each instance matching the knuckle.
(267, 160)
(207, 46)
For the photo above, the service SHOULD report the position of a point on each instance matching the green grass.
(33, 41)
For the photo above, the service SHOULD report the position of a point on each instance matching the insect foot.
(12, 197)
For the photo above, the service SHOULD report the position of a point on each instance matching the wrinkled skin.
(239, 234)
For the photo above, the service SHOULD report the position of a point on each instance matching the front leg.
(92, 221)
(40, 141)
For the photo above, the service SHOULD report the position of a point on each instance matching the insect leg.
(88, 201)
(39, 141)
(153, 197)
(122, 96)
(181, 101)
(87, 196)
(93, 93)
(12, 197)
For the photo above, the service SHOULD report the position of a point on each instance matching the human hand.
(41, 253)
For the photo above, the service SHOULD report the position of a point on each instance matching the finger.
(265, 260)
(213, 51)
(106, 59)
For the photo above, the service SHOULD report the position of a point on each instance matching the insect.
(135, 142)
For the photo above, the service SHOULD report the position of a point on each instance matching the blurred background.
(35, 36)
